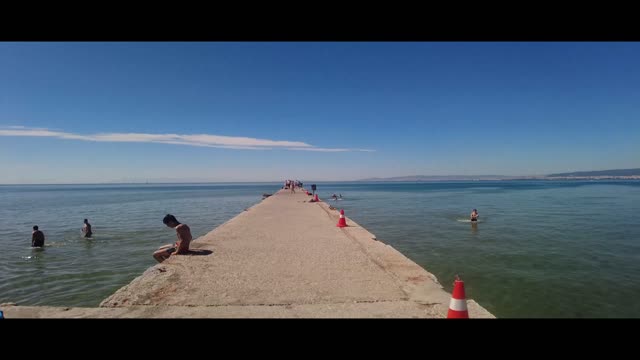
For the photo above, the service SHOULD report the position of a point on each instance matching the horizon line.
(279, 182)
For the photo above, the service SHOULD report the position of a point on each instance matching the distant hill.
(577, 174)
(440, 178)
(616, 172)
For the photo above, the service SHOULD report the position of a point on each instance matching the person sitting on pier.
(181, 246)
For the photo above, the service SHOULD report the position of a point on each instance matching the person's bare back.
(37, 237)
(184, 238)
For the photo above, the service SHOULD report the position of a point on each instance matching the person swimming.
(86, 229)
(334, 196)
(37, 237)
(474, 215)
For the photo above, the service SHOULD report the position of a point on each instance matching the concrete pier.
(283, 257)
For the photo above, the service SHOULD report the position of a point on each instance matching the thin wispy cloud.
(329, 150)
(201, 140)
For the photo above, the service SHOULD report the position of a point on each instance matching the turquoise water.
(127, 228)
(541, 249)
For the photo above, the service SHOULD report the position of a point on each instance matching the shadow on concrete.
(199, 252)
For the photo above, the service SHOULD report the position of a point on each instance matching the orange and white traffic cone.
(458, 304)
(342, 222)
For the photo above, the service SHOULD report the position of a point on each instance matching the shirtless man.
(181, 246)
(37, 237)
(474, 215)
(86, 229)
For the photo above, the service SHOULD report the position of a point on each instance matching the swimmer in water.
(86, 229)
(37, 237)
(474, 215)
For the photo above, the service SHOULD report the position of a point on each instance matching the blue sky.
(104, 112)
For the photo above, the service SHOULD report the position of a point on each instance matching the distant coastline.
(616, 174)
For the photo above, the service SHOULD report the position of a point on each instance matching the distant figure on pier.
(181, 246)
(293, 187)
(474, 215)
(313, 189)
(86, 229)
(37, 237)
